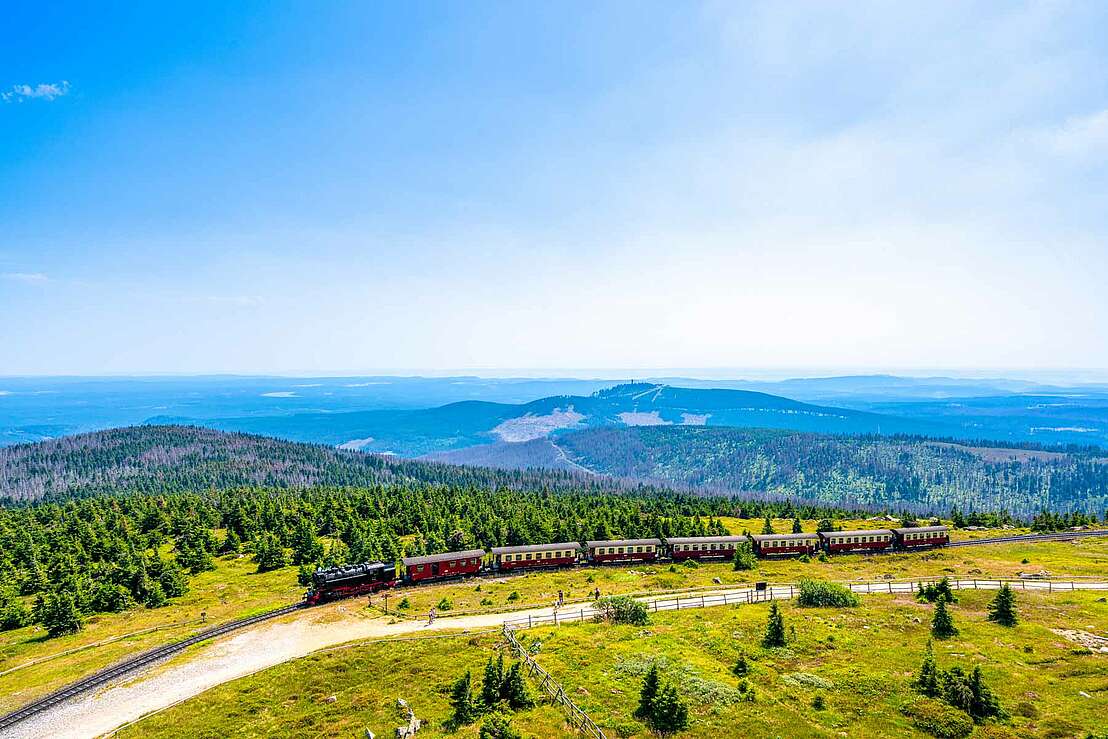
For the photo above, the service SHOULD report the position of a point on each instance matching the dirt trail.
(227, 659)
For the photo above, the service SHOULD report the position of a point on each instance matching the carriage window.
(638, 549)
(619, 550)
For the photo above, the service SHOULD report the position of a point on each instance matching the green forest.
(913, 473)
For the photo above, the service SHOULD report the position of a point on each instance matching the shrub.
(818, 594)
(818, 703)
(692, 564)
(513, 596)
(823, 557)
(404, 603)
(621, 609)
(486, 601)
(444, 604)
(742, 667)
(937, 719)
(498, 726)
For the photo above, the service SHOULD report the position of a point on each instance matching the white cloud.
(43, 91)
(1080, 134)
(27, 278)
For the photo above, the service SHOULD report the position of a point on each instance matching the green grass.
(233, 590)
(860, 660)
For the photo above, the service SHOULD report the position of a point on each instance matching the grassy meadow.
(859, 661)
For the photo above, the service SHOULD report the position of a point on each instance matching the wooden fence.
(577, 718)
(779, 592)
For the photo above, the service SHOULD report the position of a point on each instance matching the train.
(364, 579)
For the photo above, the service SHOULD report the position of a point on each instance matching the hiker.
(431, 616)
(561, 598)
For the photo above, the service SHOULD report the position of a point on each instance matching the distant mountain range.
(414, 416)
(460, 425)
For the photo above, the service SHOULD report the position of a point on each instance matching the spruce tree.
(767, 526)
(1002, 609)
(461, 698)
(775, 628)
(928, 679)
(670, 713)
(942, 624)
(60, 615)
(519, 697)
(648, 695)
(742, 667)
(490, 685)
(797, 528)
(13, 614)
(744, 557)
(498, 726)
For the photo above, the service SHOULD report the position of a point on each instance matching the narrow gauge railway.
(362, 579)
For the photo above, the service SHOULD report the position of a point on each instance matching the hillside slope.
(912, 472)
(155, 459)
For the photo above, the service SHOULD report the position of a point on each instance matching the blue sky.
(255, 187)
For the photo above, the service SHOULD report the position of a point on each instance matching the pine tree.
(767, 526)
(927, 681)
(775, 628)
(60, 615)
(155, 598)
(13, 614)
(942, 624)
(648, 695)
(797, 528)
(744, 557)
(461, 698)
(984, 703)
(1002, 609)
(490, 685)
(742, 667)
(519, 697)
(670, 713)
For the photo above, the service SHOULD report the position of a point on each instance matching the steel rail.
(142, 660)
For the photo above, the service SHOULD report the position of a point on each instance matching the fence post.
(528, 620)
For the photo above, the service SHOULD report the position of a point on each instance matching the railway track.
(1061, 535)
(142, 660)
(154, 655)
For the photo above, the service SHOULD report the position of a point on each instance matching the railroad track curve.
(144, 659)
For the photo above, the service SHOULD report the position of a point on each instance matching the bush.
(621, 609)
(404, 603)
(498, 726)
(692, 564)
(818, 703)
(818, 594)
(742, 667)
(486, 601)
(513, 596)
(444, 604)
(938, 719)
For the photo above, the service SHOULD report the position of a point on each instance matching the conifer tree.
(519, 697)
(1002, 609)
(744, 557)
(670, 713)
(775, 628)
(461, 698)
(767, 526)
(928, 679)
(742, 667)
(60, 615)
(942, 623)
(490, 685)
(797, 528)
(648, 695)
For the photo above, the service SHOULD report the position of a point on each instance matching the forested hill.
(884, 472)
(159, 459)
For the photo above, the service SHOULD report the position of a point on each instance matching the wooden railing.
(779, 592)
(577, 717)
